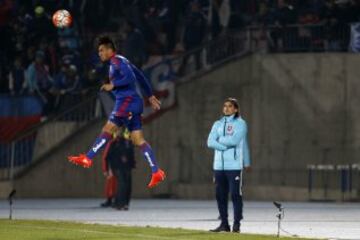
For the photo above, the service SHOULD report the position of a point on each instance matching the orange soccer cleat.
(81, 160)
(157, 178)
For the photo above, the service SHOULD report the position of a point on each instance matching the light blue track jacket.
(228, 137)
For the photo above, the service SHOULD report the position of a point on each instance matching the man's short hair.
(107, 41)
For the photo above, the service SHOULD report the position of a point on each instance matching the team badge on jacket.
(230, 130)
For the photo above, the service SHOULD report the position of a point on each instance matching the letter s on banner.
(162, 79)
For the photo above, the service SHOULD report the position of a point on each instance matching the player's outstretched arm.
(146, 86)
(143, 81)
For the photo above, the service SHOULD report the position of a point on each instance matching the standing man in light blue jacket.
(228, 137)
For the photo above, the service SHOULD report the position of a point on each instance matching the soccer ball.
(62, 19)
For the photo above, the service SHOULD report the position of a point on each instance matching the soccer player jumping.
(127, 110)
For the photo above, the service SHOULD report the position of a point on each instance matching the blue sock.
(149, 156)
(99, 143)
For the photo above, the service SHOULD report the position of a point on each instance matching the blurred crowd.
(38, 59)
(53, 64)
(285, 12)
(302, 25)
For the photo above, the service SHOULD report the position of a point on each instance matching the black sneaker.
(120, 207)
(107, 203)
(236, 228)
(224, 227)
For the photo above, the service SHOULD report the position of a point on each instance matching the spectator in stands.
(68, 80)
(19, 36)
(219, 16)
(134, 45)
(285, 13)
(60, 77)
(71, 56)
(334, 25)
(67, 86)
(39, 82)
(37, 75)
(17, 78)
(354, 8)
(283, 38)
(195, 25)
(91, 80)
(169, 18)
(53, 56)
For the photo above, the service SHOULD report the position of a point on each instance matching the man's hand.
(107, 87)
(155, 103)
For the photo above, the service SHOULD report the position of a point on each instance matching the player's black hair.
(235, 103)
(107, 41)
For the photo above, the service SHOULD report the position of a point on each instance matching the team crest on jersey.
(230, 130)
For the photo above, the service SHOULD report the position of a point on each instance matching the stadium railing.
(325, 177)
(212, 53)
(300, 38)
(31, 145)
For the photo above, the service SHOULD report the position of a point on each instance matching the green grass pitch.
(54, 230)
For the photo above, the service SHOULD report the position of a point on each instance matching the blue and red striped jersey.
(124, 75)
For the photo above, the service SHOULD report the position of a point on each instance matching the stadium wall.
(301, 109)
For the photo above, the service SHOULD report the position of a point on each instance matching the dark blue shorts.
(127, 112)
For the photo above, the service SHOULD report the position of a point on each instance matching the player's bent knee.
(106, 129)
(109, 127)
(138, 143)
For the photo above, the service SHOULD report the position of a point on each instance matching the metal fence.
(300, 38)
(210, 54)
(30, 146)
(341, 178)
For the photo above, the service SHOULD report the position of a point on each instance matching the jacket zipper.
(235, 153)
(222, 153)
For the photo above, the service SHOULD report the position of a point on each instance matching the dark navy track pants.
(229, 181)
